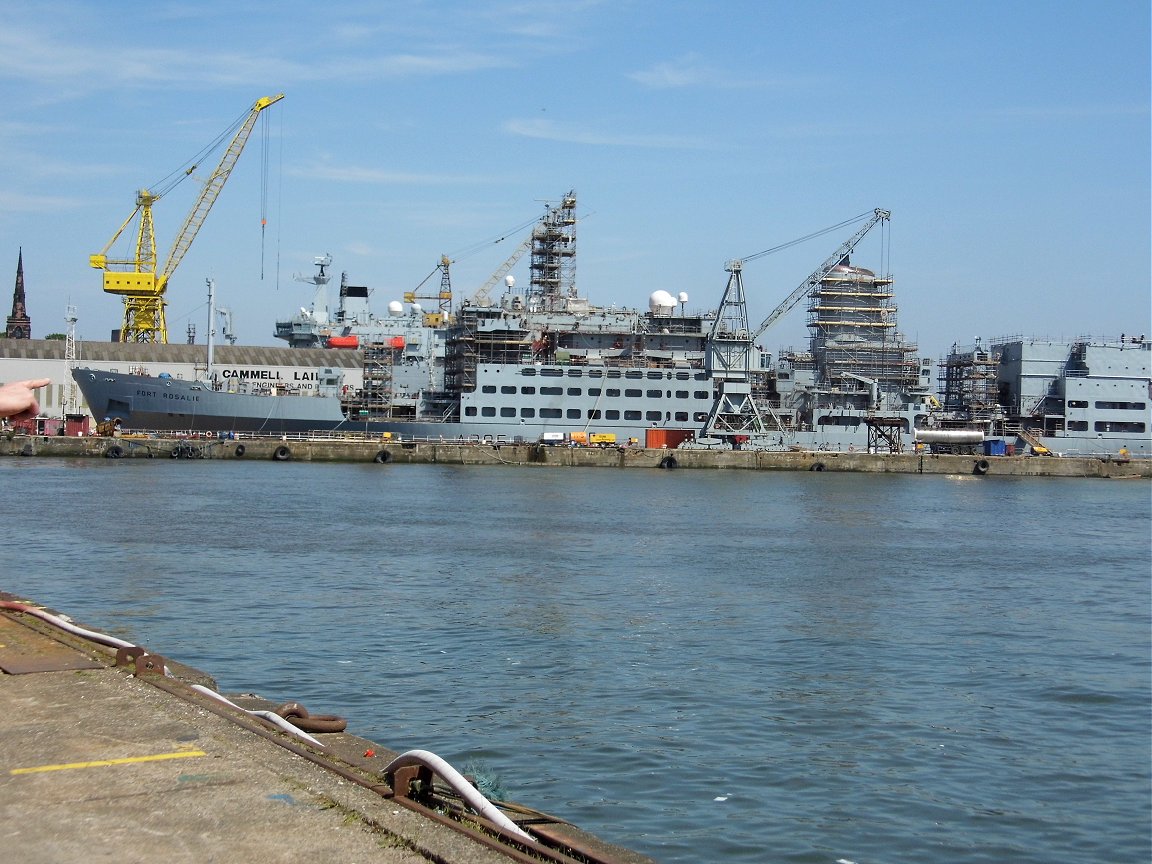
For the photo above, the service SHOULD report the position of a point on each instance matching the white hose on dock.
(102, 638)
(69, 627)
(460, 785)
(270, 716)
(426, 758)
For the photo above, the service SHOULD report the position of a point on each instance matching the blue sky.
(1010, 140)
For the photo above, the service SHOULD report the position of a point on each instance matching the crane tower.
(138, 279)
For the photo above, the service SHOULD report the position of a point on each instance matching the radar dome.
(683, 297)
(510, 281)
(395, 308)
(417, 309)
(661, 303)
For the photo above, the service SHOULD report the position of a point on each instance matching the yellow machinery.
(137, 279)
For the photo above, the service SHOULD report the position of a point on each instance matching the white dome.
(510, 281)
(395, 308)
(661, 302)
(683, 298)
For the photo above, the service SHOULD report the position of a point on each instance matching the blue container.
(995, 447)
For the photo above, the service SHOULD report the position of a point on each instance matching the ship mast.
(211, 327)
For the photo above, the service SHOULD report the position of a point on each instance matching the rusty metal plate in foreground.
(23, 650)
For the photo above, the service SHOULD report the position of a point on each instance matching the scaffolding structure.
(969, 382)
(852, 320)
(553, 258)
(376, 396)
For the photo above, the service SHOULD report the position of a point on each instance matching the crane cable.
(172, 180)
(484, 244)
(264, 156)
(808, 237)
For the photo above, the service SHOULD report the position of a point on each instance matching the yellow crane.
(137, 279)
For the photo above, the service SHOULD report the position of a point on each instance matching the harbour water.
(700, 666)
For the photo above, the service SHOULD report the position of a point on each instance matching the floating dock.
(112, 752)
(286, 450)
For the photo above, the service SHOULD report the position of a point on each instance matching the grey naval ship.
(546, 365)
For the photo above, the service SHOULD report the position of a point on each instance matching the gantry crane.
(137, 279)
(734, 414)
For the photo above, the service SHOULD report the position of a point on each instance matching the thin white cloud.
(531, 20)
(54, 64)
(18, 202)
(570, 133)
(690, 71)
(676, 74)
(1074, 112)
(376, 176)
(687, 71)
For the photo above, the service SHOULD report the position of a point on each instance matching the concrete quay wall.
(359, 450)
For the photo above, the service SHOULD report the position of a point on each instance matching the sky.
(1009, 140)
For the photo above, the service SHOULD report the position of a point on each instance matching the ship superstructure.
(1085, 396)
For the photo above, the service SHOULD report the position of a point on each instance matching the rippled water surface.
(701, 666)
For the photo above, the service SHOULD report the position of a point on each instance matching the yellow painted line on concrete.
(99, 763)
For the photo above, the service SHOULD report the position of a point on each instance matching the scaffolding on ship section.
(854, 341)
(553, 257)
(968, 379)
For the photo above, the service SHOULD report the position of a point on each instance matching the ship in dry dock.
(546, 364)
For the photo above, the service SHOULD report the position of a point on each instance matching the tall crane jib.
(734, 413)
(138, 279)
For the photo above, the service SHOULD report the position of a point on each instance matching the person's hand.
(18, 399)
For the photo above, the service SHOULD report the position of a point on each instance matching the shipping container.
(668, 439)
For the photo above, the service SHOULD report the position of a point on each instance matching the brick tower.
(19, 325)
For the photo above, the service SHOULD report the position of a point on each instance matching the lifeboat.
(343, 341)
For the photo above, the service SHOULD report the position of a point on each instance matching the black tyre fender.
(817, 466)
(981, 467)
(281, 454)
(113, 452)
(669, 462)
(239, 450)
(382, 457)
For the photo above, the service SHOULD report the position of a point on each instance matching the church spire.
(19, 325)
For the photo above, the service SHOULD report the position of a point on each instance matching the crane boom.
(211, 190)
(482, 295)
(819, 275)
(137, 279)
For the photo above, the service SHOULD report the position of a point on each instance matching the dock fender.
(981, 467)
(382, 457)
(817, 466)
(281, 454)
(113, 452)
(669, 462)
(239, 450)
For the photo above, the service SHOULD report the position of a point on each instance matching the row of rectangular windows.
(595, 391)
(652, 374)
(578, 414)
(1109, 406)
(1105, 426)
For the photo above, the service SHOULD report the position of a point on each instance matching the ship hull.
(174, 404)
(142, 402)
